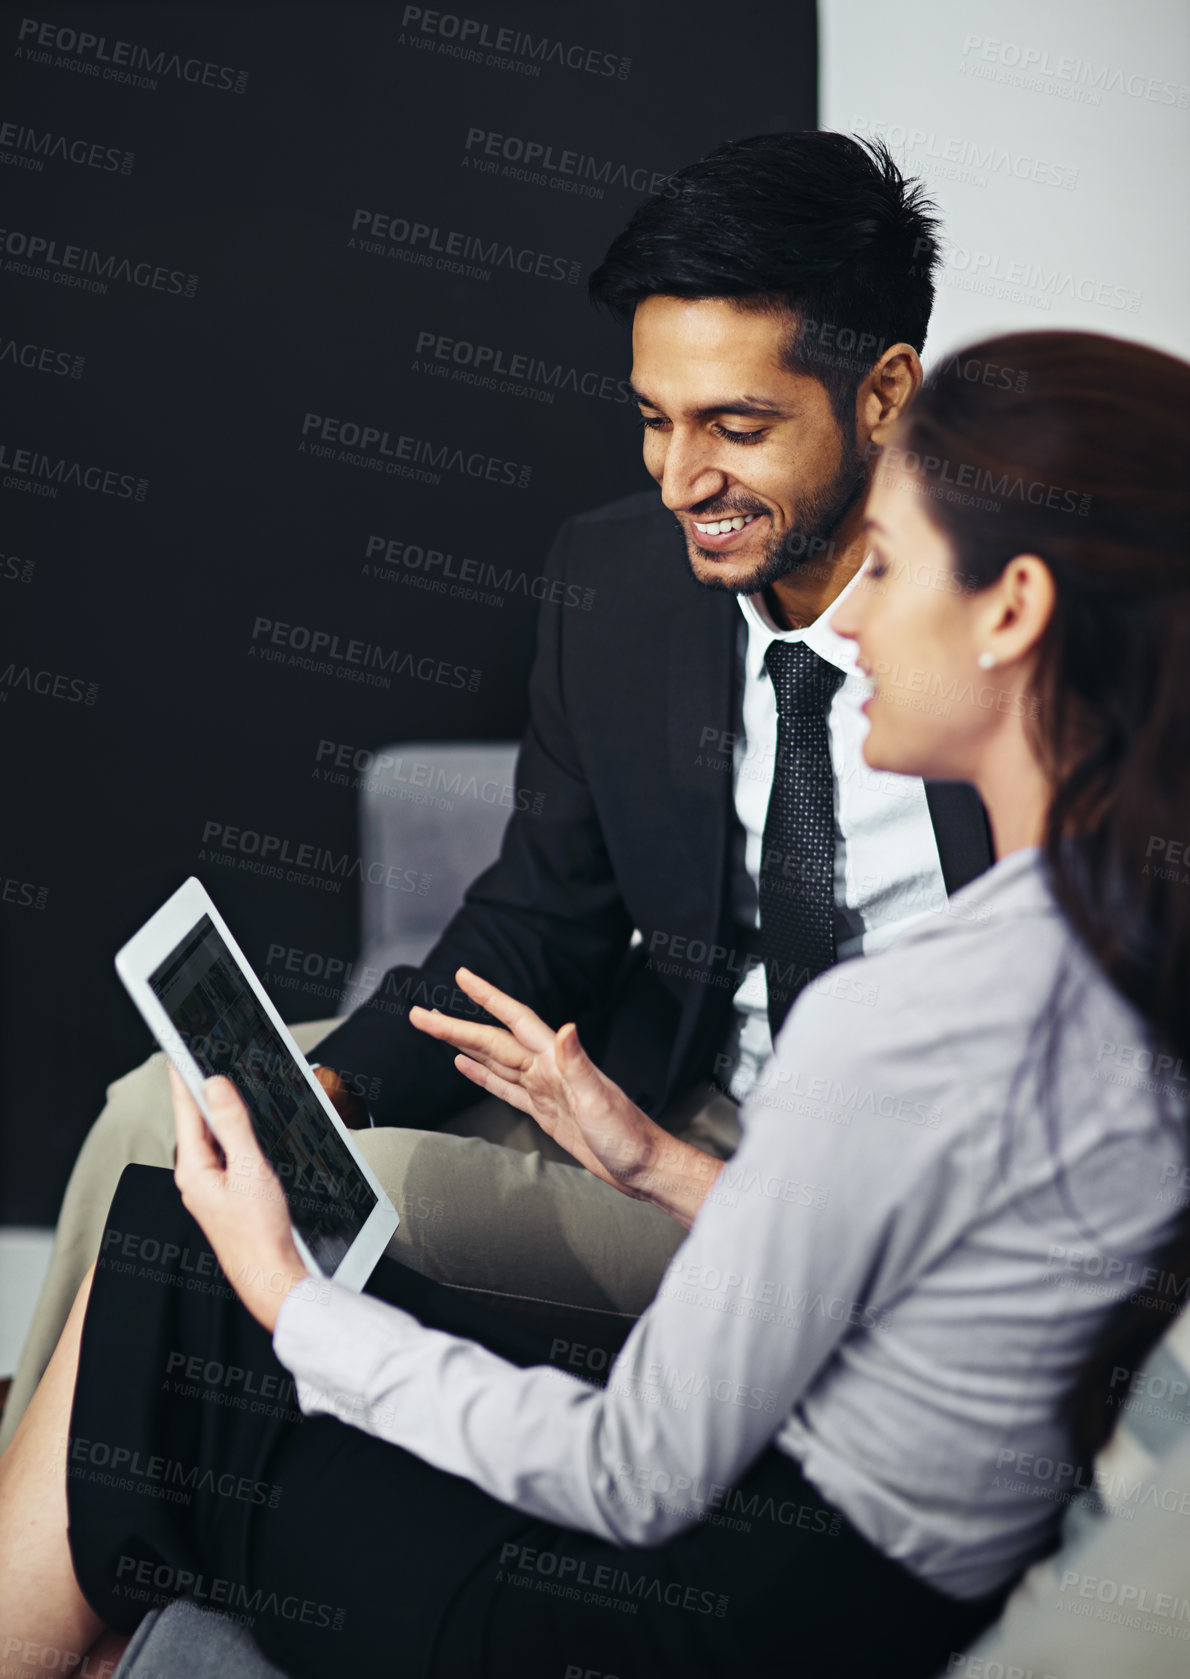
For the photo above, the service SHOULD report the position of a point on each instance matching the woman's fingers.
(196, 1147)
(528, 1028)
(586, 1088)
(231, 1190)
(232, 1121)
(571, 1055)
(470, 1036)
(521, 1066)
(463, 1032)
(484, 1042)
(487, 1080)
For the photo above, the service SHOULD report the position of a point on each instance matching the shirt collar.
(837, 650)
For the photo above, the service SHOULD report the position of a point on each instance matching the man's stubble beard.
(809, 539)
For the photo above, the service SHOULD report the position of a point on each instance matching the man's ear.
(887, 391)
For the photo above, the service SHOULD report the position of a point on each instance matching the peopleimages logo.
(537, 162)
(983, 158)
(511, 372)
(51, 685)
(356, 445)
(482, 43)
(41, 358)
(394, 775)
(454, 251)
(274, 855)
(38, 474)
(28, 148)
(120, 61)
(362, 661)
(28, 894)
(39, 258)
(438, 571)
(1070, 75)
(142, 1579)
(995, 274)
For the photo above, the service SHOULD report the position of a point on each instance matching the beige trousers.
(488, 1202)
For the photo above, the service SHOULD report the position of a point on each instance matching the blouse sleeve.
(813, 1225)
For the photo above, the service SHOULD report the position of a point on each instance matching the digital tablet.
(208, 1011)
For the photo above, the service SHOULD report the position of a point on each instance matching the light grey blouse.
(894, 1280)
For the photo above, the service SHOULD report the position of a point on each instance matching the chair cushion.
(187, 1642)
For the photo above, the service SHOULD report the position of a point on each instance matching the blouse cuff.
(332, 1340)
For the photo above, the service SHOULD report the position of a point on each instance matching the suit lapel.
(700, 723)
(700, 683)
(961, 830)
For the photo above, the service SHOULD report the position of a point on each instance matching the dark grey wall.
(218, 222)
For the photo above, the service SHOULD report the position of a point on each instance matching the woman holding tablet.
(812, 1454)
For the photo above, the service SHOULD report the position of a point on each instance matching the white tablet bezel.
(143, 954)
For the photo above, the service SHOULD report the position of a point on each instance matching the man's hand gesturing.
(346, 1103)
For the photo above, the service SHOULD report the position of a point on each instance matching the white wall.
(1054, 135)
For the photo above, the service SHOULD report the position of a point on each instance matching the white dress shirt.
(887, 870)
(895, 1280)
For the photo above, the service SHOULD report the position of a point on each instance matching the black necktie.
(797, 867)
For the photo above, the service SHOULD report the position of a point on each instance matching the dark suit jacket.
(627, 758)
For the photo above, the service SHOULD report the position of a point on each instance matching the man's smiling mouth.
(720, 527)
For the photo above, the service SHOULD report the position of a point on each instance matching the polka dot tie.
(797, 868)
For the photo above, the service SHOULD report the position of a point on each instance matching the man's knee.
(142, 1083)
(138, 1104)
(388, 1149)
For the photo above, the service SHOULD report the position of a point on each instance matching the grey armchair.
(438, 809)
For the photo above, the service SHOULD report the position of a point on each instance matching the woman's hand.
(238, 1201)
(549, 1076)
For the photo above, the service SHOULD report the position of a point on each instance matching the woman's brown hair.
(1076, 447)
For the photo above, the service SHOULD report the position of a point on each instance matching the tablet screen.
(221, 1022)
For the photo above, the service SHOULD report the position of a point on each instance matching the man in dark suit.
(701, 837)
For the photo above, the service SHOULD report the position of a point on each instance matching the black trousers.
(191, 1472)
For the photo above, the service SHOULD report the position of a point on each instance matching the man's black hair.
(820, 224)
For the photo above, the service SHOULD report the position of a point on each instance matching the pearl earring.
(986, 661)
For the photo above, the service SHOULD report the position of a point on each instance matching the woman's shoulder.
(988, 953)
(951, 1010)
(1010, 901)
(958, 1005)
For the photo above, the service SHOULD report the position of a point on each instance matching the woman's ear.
(1019, 607)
